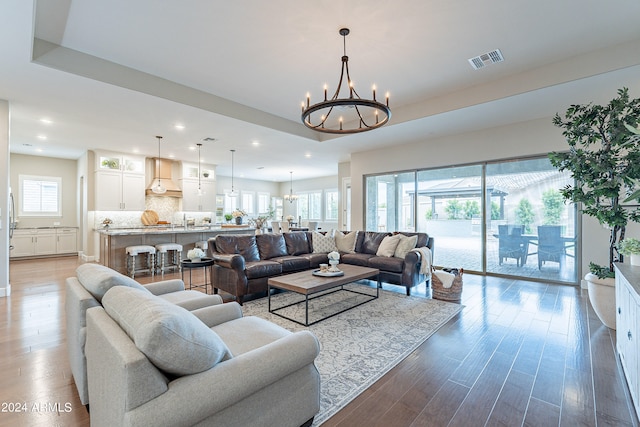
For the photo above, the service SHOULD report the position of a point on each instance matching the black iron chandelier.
(355, 114)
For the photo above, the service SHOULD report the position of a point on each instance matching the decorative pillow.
(173, 339)
(271, 245)
(346, 242)
(388, 246)
(322, 244)
(405, 245)
(98, 279)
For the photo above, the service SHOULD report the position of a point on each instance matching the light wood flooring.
(520, 353)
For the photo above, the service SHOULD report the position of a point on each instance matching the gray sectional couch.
(153, 363)
(86, 290)
(243, 264)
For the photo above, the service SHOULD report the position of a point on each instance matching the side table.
(206, 263)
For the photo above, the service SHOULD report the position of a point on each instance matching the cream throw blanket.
(425, 265)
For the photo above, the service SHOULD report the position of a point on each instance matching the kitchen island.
(113, 241)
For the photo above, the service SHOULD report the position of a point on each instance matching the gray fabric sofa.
(86, 290)
(244, 264)
(165, 366)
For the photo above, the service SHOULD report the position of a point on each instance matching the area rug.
(360, 345)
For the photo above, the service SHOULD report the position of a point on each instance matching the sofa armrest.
(233, 261)
(218, 314)
(228, 382)
(165, 286)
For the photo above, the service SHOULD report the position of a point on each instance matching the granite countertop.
(167, 230)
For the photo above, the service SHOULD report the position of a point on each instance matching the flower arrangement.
(238, 213)
(107, 222)
(289, 218)
(195, 253)
(334, 256)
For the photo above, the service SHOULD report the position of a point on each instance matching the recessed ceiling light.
(179, 126)
(255, 143)
(192, 148)
(308, 156)
(42, 137)
(46, 121)
(39, 150)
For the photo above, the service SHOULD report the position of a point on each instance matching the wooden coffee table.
(305, 283)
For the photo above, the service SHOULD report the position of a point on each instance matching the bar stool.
(174, 262)
(133, 252)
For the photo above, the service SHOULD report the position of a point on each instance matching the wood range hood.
(163, 168)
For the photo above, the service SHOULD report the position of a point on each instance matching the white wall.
(5, 287)
(536, 137)
(314, 184)
(47, 166)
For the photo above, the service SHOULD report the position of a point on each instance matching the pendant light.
(200, 192)
(233, 192)
(159, 188)
(291, 197)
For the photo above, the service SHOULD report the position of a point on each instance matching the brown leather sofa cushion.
(387, 263)
(371, 242)
(297, 243)
(292, 263)
(315, 259)
(356, 259)
(271, 245)
(234, 244)
(257, 269)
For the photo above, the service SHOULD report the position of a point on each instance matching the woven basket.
(454, 293)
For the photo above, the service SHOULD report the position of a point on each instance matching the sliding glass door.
(450, 209)
(531, 232)
(506, 218)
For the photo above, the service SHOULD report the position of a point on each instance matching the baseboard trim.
(5, 292)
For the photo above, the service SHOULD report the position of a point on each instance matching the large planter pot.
(602, 294)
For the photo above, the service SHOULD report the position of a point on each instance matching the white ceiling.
(113, 74)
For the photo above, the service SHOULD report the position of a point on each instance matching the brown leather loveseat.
(244, 263)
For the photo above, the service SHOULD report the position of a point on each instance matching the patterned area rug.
(362, 344)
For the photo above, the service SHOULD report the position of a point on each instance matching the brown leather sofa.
(243, 263)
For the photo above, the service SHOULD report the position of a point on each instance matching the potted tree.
(604, 160)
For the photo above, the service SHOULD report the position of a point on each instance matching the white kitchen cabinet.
(628, 326)
(66, 240)
(120, 183)
(192, 202)
(33, 242)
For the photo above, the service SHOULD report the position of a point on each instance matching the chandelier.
(159, 188)
(355, 114)
(233, 192)
(291, 197)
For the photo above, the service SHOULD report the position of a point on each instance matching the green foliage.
(428, 214)
(629, 247)
(552, 202)
(525, 215)
(228, 217)
(471, 209)
(495, 210)
(600, 271)
(604, 160)
(453, 209)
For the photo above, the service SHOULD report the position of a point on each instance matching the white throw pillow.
(388, 246)
(346, 242)
(405, 244)
(173, 339)
(322, 244)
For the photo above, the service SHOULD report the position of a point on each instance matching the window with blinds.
(40, 195)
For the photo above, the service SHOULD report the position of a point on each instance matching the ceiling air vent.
(486, 59)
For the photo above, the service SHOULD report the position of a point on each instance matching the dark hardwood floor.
(520, 353)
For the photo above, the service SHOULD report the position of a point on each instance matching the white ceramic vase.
(334, 265)
(634, 259)
(602, 294)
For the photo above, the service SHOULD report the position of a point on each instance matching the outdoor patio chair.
(551, 245)
(511, 244)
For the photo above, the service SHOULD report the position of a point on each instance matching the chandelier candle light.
(364, 114)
